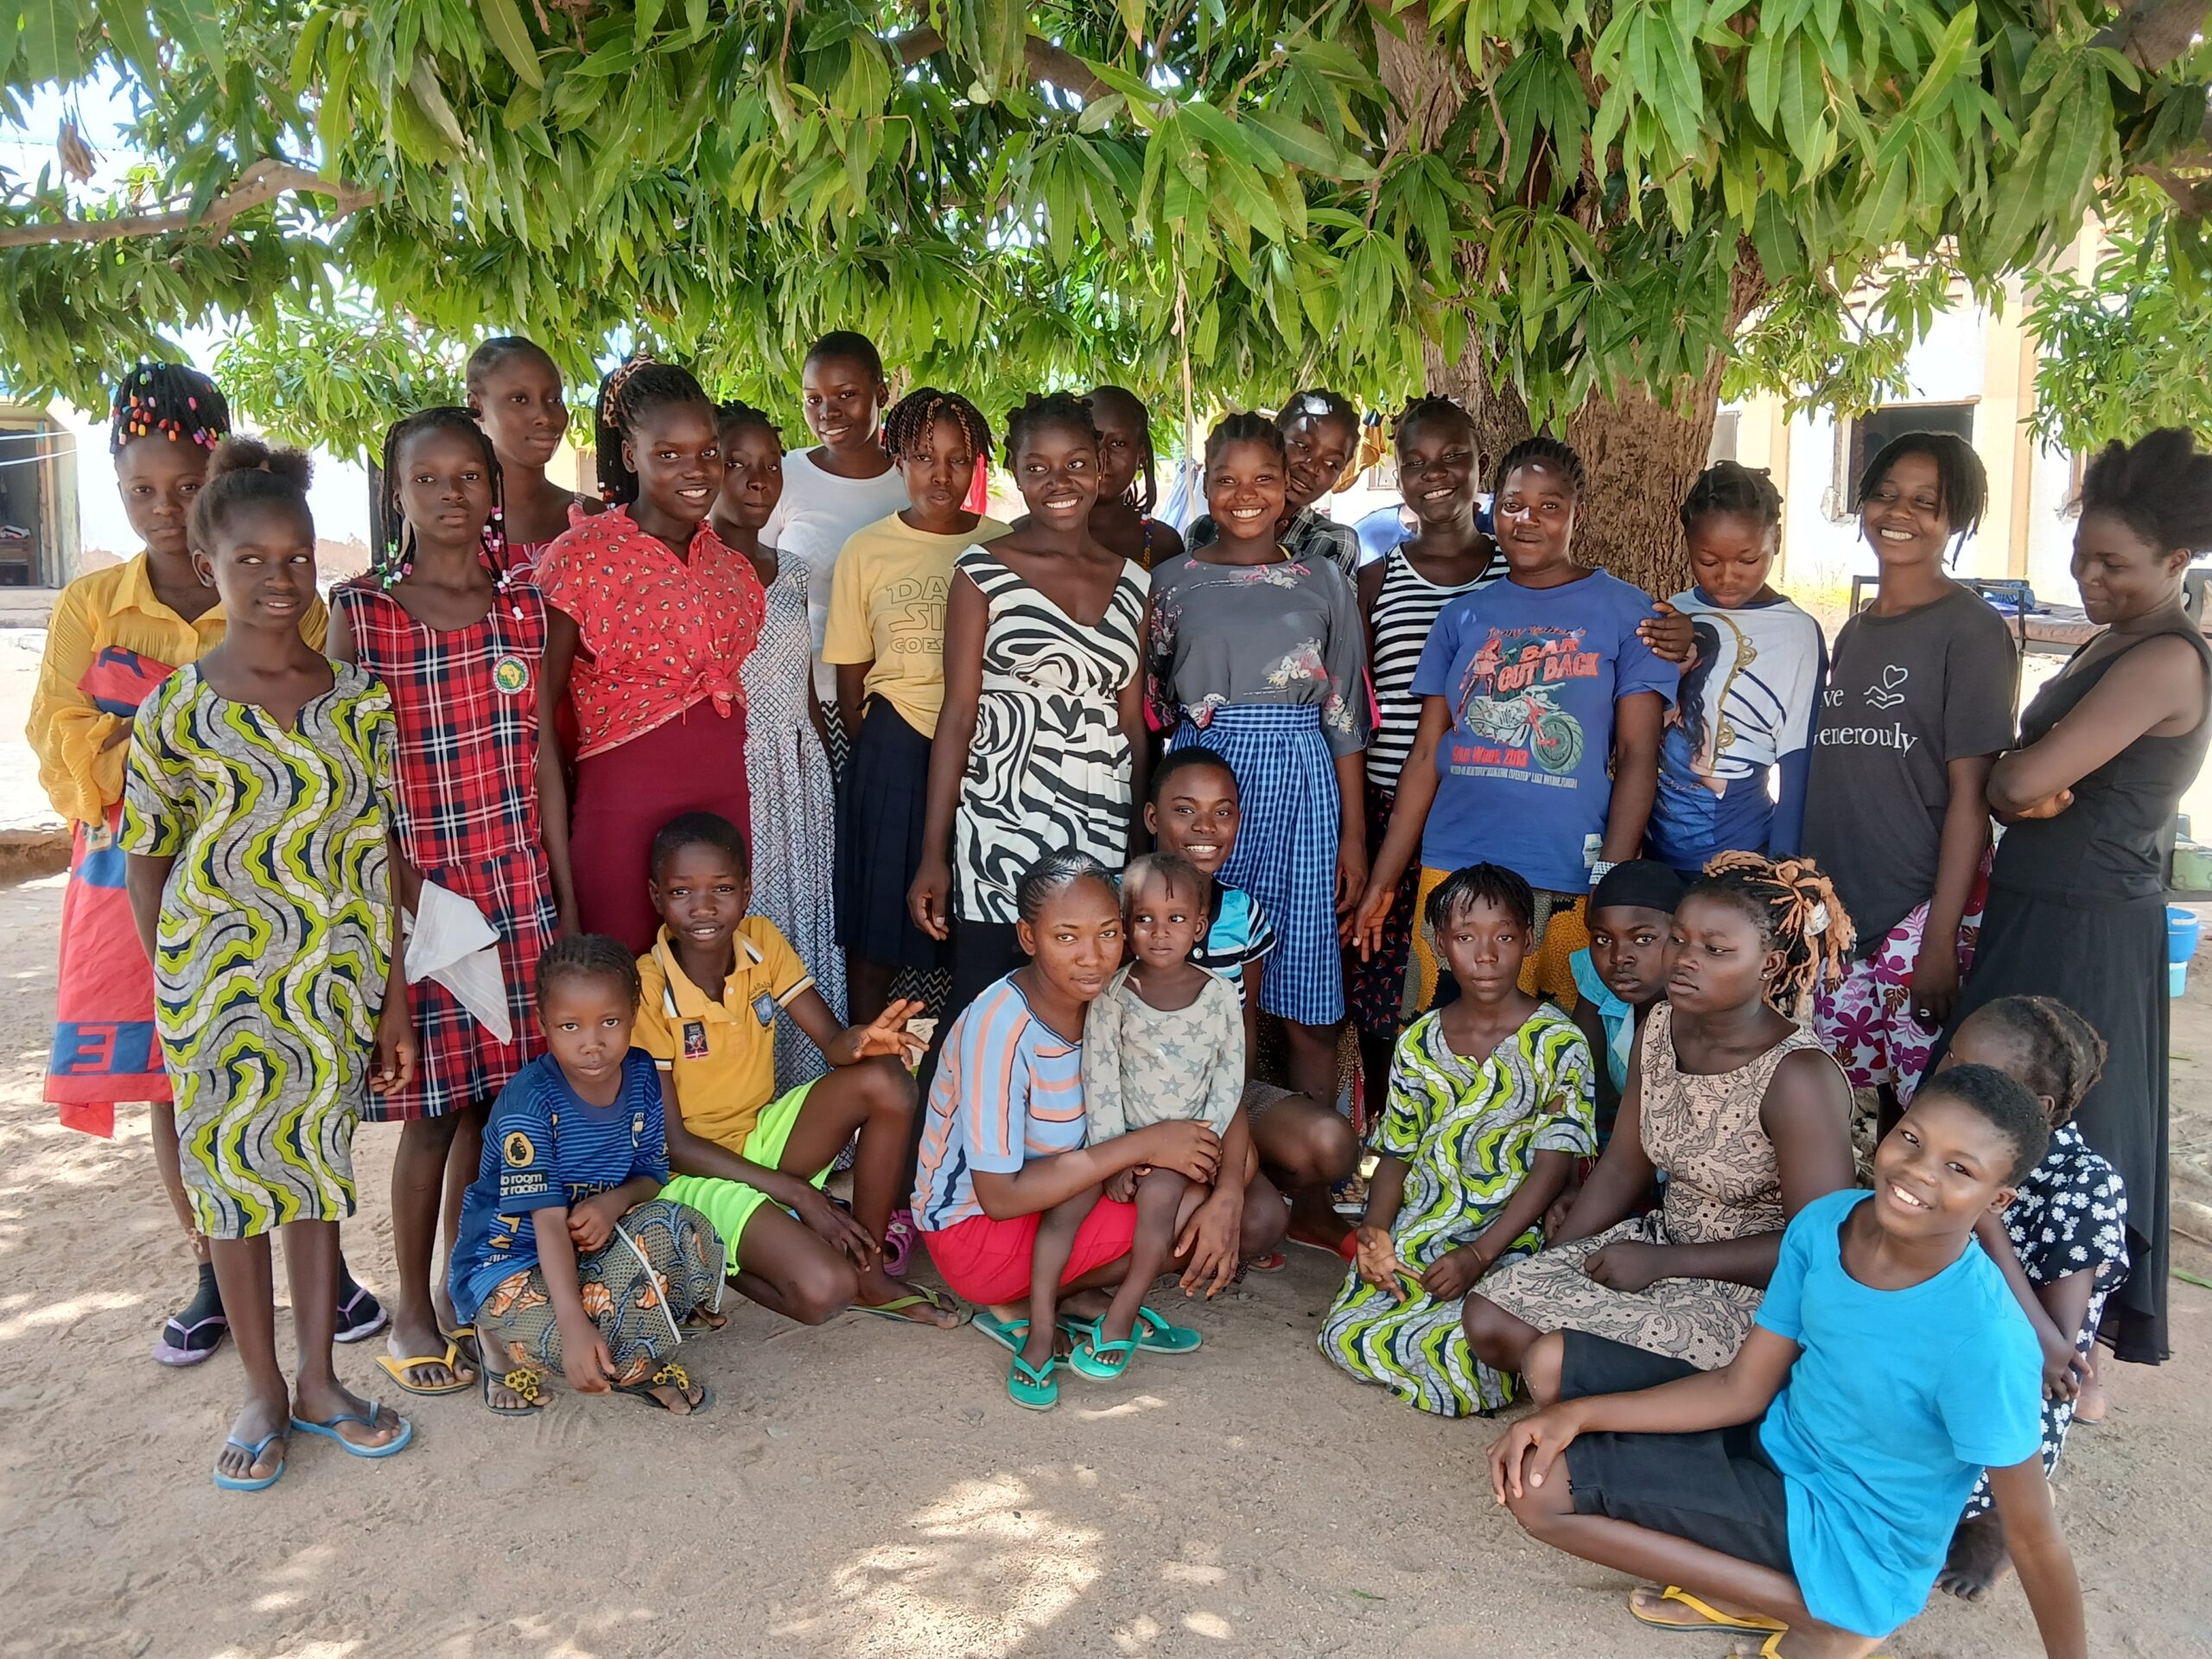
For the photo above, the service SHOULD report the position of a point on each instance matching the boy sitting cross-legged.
(1807, 1490)
(751, 1163)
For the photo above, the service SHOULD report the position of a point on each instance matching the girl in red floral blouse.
(653, 617)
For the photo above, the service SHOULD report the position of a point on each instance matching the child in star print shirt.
(2061, 1242)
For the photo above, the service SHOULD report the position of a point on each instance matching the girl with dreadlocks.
(1128, 490)
(116, 634)
(1538, 742)
(653, 620)
(1748, 1117)
(481, 812)
(887, 643)
(786, 757)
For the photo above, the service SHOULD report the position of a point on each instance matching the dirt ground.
(859, 1490)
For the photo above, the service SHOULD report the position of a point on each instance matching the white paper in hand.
(449, 941)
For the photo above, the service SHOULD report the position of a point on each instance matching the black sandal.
(521, 1382)
(671, 1375)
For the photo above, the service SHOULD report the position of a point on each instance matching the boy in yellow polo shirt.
(751, 1162)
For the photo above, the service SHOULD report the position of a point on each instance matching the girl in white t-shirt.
(840, 484)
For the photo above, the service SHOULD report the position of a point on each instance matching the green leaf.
(49, 38)
(1132, 16)
(644, 19)
(430, 99)
(1804, 104)
(503, 23)
(129, 32)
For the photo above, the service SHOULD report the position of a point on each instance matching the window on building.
(1727, 426)
(1859, 440)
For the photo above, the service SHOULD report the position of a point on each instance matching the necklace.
(396, 569)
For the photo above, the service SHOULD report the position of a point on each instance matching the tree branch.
(1045, 61)
(2153, 33)
(262, 182)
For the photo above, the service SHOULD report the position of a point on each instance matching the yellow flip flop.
(397, 1370)
(1713, 1618)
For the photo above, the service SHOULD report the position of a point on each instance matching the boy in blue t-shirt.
(1305, 1146)
(1809, 1489)
(569, 1261)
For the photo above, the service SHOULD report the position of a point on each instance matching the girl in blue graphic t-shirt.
(1538, 746)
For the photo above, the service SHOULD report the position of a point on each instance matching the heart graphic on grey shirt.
(1886, 695)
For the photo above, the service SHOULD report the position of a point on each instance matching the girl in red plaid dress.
(483, 812)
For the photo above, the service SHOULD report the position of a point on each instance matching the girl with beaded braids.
(1040, 748)
(1750, 687)
(1538, 743)
(1750, 1120)
(653, 618)
(481, 815)
(2076, 895)
(115, 635)
(885, 640)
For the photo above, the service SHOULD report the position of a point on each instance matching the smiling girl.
(514, 393)
(840, 484)
(1918, 704)
(1320, 434)
(653, 619)
(481, 811)
(1041, 742)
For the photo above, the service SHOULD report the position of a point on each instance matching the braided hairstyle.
(1143, 493)
(634, 391)
(2160, 487)
(496, 353)
(1042, 408)
(907, 427)
(1053, 875)
(173, 399)
(1795, 907)
(587, 956)
(2061, 1056)
(391, 554)
(1729, 487)
(736, 414)
(246, 472)
(1245, 427)
(1480, 884)
(1552, 453)
(1959, 471)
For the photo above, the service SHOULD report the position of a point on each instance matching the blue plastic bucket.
(2183, 930)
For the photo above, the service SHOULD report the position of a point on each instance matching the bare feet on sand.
(1977, 1561)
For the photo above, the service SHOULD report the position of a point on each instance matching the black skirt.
(881, 811)
(1716, 1487)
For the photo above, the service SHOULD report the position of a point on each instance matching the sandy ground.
(859, 1490)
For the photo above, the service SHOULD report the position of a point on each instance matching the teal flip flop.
(1156, 1335)
(238, 1483)
(1032, 1387)
(1091, 1357)
(1009, 1334)
(328, 1429)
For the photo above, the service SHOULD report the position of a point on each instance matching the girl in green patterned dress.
(1490, 1105)
(254, 813)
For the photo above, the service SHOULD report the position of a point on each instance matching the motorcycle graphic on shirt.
(1508, 717)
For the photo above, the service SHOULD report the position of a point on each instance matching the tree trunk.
(1642, 452)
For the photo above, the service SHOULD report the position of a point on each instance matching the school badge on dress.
(510, 674)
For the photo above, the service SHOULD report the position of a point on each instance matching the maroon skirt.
(695, 763)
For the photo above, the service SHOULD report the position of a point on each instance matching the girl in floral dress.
(459, 644)
(794, 827)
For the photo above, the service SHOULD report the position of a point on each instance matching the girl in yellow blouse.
(115, 635)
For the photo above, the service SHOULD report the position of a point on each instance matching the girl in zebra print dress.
(1042, 737)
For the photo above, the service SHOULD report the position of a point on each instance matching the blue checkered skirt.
(1286, 853)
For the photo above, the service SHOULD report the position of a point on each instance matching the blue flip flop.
(328, 1430)
(1091, 1355)
(1009, 1334)
(1156, 1335)
(239, 1483)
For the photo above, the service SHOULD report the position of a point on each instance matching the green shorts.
(730, 1204)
